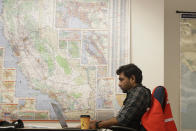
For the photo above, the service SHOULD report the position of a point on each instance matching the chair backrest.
(159, 94)
(159, 117)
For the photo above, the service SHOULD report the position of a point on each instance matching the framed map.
(62, 51)
(188, 73)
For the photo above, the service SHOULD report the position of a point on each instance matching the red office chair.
(159, 117)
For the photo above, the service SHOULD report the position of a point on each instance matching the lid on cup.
(85, 116)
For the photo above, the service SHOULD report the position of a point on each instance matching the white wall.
(172, 51)
(147, 40)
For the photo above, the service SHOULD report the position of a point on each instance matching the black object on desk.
(121, 128)
(7, 129)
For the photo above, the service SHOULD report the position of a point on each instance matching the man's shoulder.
(147, 89)
(142, 88)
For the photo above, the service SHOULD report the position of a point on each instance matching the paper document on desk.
(37, 126)
(7, 127)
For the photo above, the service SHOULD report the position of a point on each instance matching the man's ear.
(132, 78)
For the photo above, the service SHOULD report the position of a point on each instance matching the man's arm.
(104, 124)
(107, 123)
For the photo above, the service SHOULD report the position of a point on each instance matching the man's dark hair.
(129, 70)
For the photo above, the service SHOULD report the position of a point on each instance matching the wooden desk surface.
(50, 129)
(44, 129)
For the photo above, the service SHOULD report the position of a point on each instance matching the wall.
(172, 50)
(147, 36)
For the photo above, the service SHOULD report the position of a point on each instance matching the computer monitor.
(59, 114)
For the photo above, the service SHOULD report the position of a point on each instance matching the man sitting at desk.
(138, 99)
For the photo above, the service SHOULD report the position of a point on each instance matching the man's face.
(125, 83)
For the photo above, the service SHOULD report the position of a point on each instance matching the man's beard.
(127, 87)
(124, 91)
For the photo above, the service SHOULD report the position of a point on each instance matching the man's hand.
(93, 124)
(104, 124)
(78, 126)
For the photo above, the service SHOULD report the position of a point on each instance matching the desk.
(43, 129)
